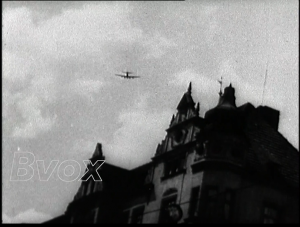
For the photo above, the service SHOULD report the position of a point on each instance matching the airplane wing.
(120, 75)
(127, 72)
(133, 77)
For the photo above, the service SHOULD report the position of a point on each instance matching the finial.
(98, 150)
(221, 82)
(172, 119)
(230, 85)
(198, 107)
(190, 88)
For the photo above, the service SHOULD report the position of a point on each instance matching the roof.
(268, 146)
(60, 219)
(226, 103)
(186, 100)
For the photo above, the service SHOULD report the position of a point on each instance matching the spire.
(187, 100)
(172, 120)
(198, 108)
(221, 82)
(98, 151)
(190, 88)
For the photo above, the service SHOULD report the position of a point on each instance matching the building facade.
(230, 166)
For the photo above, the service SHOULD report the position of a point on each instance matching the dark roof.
(186, 100)
(268, 146)
(226, 105)
(138, 175)
(60, 219)
(130, 178)
(113, 174)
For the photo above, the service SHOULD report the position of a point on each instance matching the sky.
(60, 95)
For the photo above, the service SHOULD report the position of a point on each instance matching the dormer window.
(178, 136)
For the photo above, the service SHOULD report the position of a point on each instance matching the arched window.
(169, 198)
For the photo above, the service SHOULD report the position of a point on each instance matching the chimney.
(270, 115)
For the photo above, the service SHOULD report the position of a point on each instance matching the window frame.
(230, 202)
(194, 201)
(174, 167)
(169, 197)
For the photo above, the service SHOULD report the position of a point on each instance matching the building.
(230, 166)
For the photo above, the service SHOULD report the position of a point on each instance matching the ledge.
(211, 163)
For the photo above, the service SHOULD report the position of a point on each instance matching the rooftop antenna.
(265, 81)
(221, 82)
(267, 62)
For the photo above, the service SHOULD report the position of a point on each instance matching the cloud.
(33, 55)
(35, 123)
(28, 216)
(157, 45)
(6, 218)
(86, 87)
(72, 33)
(84, 148)
(41, 60)
(24, 102)
(135, 142)
(246, 89)
(213, 26)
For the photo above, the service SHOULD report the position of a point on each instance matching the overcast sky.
(60, 95)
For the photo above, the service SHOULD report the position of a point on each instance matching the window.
(194, 201)
(137, 215)
(169, 198)
(178, 136)
(199, 151)
(208, 204)
(211, 201)
(98, 186)
(85, 187)
(270, 215)
(173, 167)
(91, 186)
(88, 186)
(206, 146)
(228, 205)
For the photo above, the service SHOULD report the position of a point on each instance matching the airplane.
(126, 76)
